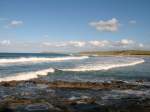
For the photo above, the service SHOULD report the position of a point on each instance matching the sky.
(74, 25)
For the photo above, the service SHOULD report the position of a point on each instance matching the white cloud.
(65, 44)
(126, 42)
(132, 22)
(62, 44)
(5, 42)
(92, 43)
(106, 43)
(72, 45)
(102, 43)
(141, 45)
(99, 43)
(15, 23)
(123, 43)
(46, 44)
(77, 43)
(111, 25)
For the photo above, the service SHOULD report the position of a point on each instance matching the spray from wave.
(40, 59)
(103, 66)
(28, 75)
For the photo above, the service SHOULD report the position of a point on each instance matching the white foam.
(40, 59)
(27, 75)
(103, 66)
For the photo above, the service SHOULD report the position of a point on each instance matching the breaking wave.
(28, 75)
(40, 59)
(92, 64)
(102, 66)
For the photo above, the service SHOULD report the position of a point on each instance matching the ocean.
(73, 68)
(66, 67)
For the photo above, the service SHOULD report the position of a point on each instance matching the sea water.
(66, 67)
(25, 66)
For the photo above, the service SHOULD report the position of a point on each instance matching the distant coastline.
(117, 53)
(93, 53)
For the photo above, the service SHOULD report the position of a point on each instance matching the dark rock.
(4, 108)
(79, 101)
(42, 107)
(139, 81)
(85, 108)
(91, 85)
(37, 107)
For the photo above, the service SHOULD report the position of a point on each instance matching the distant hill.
(119, 53)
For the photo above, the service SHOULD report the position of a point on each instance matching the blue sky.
(62, 25)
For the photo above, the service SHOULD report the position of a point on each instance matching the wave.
(94, 64)
(40, 59)
(97, 67)
(28, 75)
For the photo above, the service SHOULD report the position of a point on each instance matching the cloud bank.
(99, 43)
(94, 43)
(70, 46)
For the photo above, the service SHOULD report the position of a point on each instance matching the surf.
(103, 66)
(41, 59)
(27, 75)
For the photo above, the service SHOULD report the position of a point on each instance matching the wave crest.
(28, 75)
(40, 59)
(98, 67)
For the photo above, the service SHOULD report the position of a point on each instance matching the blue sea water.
(24, 66)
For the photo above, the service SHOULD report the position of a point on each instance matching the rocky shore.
(38, 95)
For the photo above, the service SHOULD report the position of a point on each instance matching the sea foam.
(102, 66)
(28, 75)
(40, 59)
